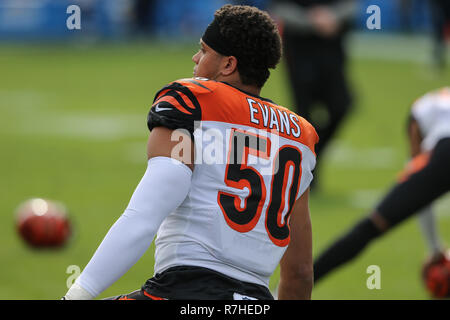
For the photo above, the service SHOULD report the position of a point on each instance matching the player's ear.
(229, 66)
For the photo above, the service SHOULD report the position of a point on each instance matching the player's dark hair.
(254, 40)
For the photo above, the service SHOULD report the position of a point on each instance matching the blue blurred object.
(181, 19)
(261, 4)
(46, 19)
(23, 20)
(32, 19)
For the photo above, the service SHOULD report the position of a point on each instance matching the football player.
(425, 179)
(231, 204)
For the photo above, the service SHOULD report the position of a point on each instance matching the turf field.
(73, 129)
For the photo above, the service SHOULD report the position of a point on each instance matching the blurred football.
(43, 223)
(436, 276)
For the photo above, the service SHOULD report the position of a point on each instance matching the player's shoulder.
(195, 86)
(432, 101)
(177, 105)
(431, 97)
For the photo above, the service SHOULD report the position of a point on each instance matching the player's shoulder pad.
(177, 105)
(189, 86)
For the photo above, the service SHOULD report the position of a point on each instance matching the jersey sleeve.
(175, 107)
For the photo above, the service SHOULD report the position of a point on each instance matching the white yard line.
(344, 155)
(83, 126)
(392, 47)
(365, 199)
(28, 114)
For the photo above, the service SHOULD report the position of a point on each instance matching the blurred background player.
(209, 245)
(314, 32)
(425, 179)
(143, 11)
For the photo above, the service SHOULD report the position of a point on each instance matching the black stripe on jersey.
(167, 115)
(179, 99)
(175, 86)
(198, 83)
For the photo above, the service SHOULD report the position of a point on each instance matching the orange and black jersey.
(253, 160)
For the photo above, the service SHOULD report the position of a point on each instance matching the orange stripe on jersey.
(414, 165)
(161, 93)
(174, 103)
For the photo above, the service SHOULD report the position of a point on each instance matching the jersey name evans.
(262, 114)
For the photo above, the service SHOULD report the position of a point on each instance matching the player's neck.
(254, 90)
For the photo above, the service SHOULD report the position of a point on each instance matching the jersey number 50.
(239, 175)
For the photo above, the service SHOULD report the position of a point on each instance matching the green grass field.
(73, 129)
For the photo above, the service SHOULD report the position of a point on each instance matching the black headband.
(215, 40)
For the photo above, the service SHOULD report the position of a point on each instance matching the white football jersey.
(432, 113)
(253, 160)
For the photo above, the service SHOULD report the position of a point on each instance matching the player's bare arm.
(296, 266)
(175, 144)
(415, 137)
